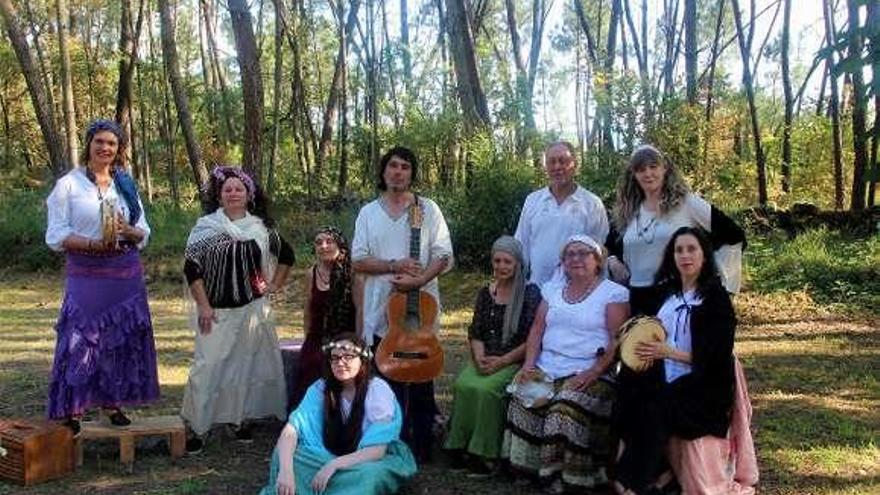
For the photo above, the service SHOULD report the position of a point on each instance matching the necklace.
(323, 278)
(579, 299)
(642, 231)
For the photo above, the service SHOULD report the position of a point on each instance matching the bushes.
(486, 210)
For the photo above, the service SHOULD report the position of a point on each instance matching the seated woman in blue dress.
(344, 438)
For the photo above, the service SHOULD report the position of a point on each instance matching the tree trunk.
(217, 68)
(470, 91)
(129, 35)
(860, 135)
(42, 107)
(169, 53)
(72, 145)
(610, 54)
(251, 86)
(789, 103)
(710, 83)
(330, 110)
(744, 48)
(404, 45)
(873, 28)
(833, 104)
(690, 49)
(276, 99)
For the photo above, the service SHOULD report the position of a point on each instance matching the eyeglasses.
(582, 254)
(345, 358)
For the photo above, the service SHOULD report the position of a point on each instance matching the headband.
(345, 345)
(99, 125)
(583, 239)
(223, 172)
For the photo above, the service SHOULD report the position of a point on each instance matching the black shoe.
(74, 425)
(118, 418)
(243, 433)
(194, 446)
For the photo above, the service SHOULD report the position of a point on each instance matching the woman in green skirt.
(503, 314)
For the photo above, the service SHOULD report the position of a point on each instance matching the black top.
(700, 402)
(488, 321)
(242, 282)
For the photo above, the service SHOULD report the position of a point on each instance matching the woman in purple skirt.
(104, 354)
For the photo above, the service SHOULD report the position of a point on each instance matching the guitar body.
(410, 352)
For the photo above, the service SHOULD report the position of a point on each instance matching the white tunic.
(574, 332)
(74, 207)
(544, 225)
(647, 235)
(377, 235)
(676, 319)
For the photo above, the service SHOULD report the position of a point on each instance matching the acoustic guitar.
(411, 352)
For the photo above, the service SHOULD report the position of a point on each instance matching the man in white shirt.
(554, 213)
(380, 251)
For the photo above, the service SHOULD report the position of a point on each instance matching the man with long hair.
(381, 253)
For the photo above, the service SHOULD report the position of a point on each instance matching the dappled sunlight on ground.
(812, 373)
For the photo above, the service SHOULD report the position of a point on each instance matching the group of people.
(549, 320)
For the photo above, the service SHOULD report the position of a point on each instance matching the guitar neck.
(415, 248)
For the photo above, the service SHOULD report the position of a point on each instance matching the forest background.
(769, 108)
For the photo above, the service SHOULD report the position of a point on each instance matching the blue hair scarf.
(127, 188)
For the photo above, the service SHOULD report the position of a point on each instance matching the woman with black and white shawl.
(234, 258)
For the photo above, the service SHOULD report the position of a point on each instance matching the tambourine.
(635, 331)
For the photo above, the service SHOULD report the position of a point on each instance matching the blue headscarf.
(125, 184)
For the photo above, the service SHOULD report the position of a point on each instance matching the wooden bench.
(139, 427)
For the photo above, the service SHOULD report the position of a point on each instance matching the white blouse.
(647, 235)
(378, 235)
(544, 226)
(74, 207)
(675, 314)
(575, 332)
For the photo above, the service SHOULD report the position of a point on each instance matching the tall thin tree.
(251, 86)
(181, 101)
(37, 90)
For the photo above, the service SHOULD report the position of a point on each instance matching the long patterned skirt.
(104, 353)
(567, 439)
(478, 410)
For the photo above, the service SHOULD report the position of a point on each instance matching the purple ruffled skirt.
(104, 355)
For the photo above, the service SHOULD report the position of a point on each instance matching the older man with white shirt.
(552, 214)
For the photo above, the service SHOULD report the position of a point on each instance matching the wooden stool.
(140, 427)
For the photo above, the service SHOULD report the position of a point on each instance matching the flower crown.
(363, 352)
(223, 172)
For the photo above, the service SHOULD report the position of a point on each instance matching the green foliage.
(488, 208)
(22, 231)
(833, 267)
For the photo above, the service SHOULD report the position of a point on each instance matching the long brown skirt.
(569, 438)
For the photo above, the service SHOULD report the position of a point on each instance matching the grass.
(813, 376)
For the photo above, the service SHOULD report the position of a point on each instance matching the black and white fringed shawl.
(236, 258)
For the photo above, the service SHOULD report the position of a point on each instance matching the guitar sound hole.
(409, 355)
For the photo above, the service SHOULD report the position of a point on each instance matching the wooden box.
(33, 451)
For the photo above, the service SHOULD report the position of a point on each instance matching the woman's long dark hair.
(342, 435)
(339, 312)
(668, 275)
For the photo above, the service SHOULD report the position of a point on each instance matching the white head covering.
(559, 274)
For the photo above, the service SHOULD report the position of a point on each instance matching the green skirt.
(478, 411)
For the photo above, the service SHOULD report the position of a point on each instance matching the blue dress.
(383, 476)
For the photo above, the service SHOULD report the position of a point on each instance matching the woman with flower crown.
(234, 259)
